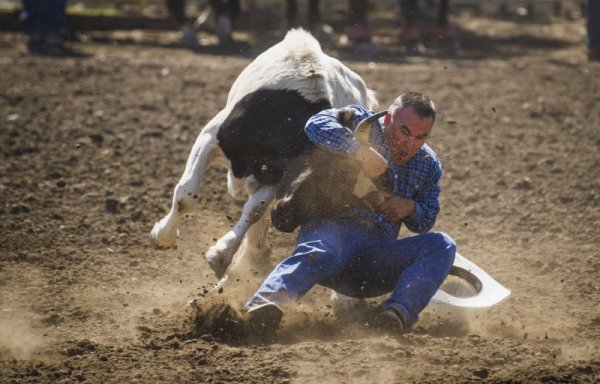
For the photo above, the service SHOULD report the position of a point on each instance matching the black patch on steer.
(264, 130)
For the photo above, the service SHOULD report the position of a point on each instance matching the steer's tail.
(372, 102)
(301, 40)
(304, 65)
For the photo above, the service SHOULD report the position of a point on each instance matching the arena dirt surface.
(92, 146)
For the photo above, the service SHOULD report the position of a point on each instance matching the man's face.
(406, 133)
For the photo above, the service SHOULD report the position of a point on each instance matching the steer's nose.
(283, 217)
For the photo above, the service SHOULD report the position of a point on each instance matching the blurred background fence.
(152, 14)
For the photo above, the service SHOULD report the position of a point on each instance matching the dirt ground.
(92, 146)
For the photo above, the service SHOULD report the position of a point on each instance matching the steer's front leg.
(205, 151)
(219, 256)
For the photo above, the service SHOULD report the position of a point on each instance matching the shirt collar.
(379, 141)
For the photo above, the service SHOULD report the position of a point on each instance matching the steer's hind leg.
(250, 264)
(204, 152)
(219, 256)
(255, 250)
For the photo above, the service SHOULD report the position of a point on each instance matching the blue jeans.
(354, 259)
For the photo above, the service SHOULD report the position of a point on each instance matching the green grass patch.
(75, 10)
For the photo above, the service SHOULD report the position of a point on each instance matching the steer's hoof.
(161, 238)
(219, 260)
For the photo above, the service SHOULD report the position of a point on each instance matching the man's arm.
(326, 130)
(427, 204)
(419, 214)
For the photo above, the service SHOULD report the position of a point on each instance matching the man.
(361, 256)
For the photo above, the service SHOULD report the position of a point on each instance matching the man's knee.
(445, 240)
(444, 245)
(316, 254)
(324, 261)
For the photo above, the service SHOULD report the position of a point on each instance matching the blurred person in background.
(45, 24)
(593, 30)
(218, 17)
(409, 11)
(358, 30)
(411, 35)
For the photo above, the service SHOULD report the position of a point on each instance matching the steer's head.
(321, 183)
(317, 184)
(290, 211)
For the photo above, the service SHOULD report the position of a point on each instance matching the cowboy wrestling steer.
(256, 135)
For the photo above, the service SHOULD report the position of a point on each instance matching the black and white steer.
(258, 133)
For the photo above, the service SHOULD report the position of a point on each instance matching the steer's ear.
(345, 117)
(363, 129)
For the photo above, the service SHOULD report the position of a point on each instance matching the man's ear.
(387, 119)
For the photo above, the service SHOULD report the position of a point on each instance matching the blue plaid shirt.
(417, 179)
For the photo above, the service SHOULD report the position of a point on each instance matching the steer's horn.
(363, 129)
(487, 291)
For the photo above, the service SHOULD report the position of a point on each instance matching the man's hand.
(396, 208)
(372, 162)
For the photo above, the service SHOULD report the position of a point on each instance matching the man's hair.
(423, 105)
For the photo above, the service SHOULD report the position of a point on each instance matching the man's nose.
(408, 141)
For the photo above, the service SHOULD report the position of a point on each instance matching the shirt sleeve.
(427, 204)
(325, 129)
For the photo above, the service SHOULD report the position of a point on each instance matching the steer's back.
(271, 100)
(298, 63)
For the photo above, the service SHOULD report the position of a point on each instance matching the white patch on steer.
(235, 186)
(364, 185)
(300, 179)
(205, 151)
(251, 185)
(220, 255)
